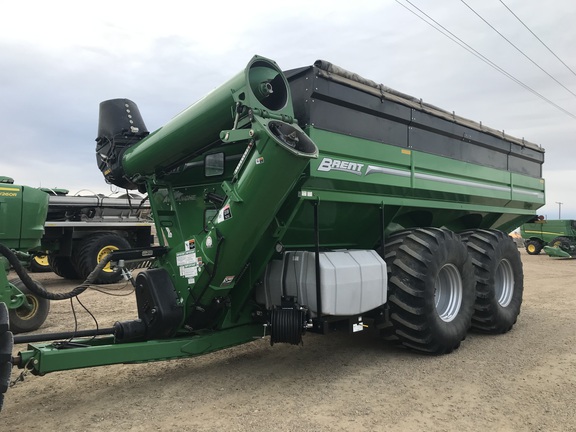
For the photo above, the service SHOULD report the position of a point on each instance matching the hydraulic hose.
(38, 289)
(21, 339)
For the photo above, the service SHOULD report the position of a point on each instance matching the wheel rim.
(448, 292)
(24, 313)
(41, 260)
(531, 248)
(504, 283)
(103, 252)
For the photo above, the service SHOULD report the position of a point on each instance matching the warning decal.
(187, 263)
(224, 214)
(190, 245)
(186, 258)
(227, 280)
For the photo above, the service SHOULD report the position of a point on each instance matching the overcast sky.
(60, 59)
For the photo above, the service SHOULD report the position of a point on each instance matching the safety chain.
(22, 375)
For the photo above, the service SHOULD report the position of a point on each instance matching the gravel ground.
(521, 381)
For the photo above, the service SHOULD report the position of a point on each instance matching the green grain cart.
(311, 200)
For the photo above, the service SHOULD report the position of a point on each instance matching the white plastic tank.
(351, 281)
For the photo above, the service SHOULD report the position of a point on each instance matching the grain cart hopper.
(312, 200)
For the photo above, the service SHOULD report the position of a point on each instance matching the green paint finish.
(46, 358)
(354, 165)
(353, 177)
(22, 214)
(269, 172)
(222, 224)
(261, 85)
(547, 230)
(9, 294)
(556, 252)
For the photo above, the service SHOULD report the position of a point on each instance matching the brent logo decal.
(329, 164)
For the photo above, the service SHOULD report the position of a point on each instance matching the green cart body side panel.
(353, 177)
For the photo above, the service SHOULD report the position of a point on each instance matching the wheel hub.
(504, 283)
(27, 311)
(448, 292)
(42, 260)
(102, 253)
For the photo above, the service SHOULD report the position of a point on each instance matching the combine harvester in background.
(556, 237)
(310, 200)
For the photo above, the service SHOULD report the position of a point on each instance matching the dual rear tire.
(441, 285)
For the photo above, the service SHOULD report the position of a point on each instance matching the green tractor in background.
(22, 214)
(40, 262)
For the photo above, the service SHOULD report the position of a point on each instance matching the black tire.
(63, 267)
(93, 249)
(6, 347)
(431, 291)
(499, 281)
(562, 243)
(533, 247)
(385, 326)
(24, 320)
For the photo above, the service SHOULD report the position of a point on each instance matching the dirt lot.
(522, 381)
